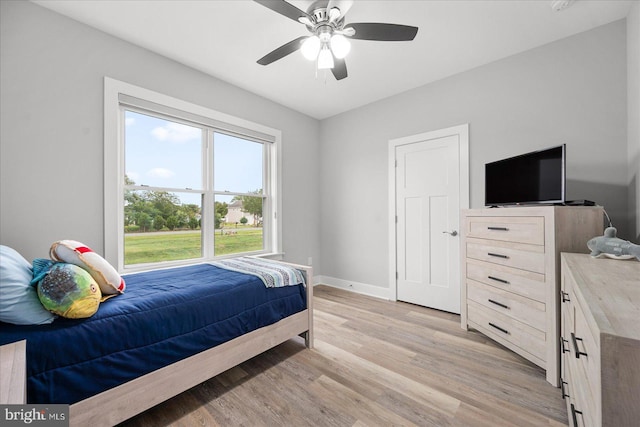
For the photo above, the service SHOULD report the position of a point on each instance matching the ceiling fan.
(329, 39)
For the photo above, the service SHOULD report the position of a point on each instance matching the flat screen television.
(533, 178)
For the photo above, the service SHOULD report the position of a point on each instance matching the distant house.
(235, 212)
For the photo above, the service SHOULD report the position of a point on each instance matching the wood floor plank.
(424, 395)
(375, 363)
(366, 411)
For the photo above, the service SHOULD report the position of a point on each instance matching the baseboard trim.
(357, 287)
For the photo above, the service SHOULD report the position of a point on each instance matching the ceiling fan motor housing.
(322, 22)
(320, 15)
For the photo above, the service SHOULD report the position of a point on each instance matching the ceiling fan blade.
(284, 8)
(382, 32)
(339, 69)
(282, 51)
(342, 5)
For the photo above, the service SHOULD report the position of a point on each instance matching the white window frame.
(114, 91)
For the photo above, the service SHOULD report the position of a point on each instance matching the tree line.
(148, 210)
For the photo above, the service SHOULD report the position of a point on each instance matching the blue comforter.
(164, 316)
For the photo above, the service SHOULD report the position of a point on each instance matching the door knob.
(453, 233)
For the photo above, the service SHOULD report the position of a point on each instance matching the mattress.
(164, 316)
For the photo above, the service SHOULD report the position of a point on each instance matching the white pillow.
(74, 252)
(19, 303)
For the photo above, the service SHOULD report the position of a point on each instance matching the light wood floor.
(375, 363)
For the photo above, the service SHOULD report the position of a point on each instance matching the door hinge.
(396, 163)
(397, 275)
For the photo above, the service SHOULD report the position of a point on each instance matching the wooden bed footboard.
(129, 399)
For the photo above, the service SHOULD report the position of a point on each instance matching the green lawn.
(170, 246)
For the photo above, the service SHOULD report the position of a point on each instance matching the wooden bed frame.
(129, 399)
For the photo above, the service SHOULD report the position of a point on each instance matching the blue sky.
(162, 153)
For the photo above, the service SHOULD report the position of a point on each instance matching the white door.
(427, 202)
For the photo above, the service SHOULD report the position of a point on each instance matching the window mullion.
(267, 210)
(271, 220)
(119, 179)
(237, 193)
(208, 204)
(163, 189)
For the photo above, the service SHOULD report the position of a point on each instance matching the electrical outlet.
(309, 261)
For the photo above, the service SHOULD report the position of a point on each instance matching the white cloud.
(176, 132)
(160, 173)
(129, 121)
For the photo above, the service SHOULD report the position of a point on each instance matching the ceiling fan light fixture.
(306, 21)
(340, 46)
(310, 48)
(325, 58)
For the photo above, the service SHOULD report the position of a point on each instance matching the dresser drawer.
(495, 324)
(508, 229)
(483, 250)
(579, 412)
(565, 379)
(586, 355)
(520, 308)
(522, 282)
(582, 411)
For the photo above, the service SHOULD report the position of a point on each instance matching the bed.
(171, 330)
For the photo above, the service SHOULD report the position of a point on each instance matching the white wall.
(51, 137)
(633, 114)
(572, 91)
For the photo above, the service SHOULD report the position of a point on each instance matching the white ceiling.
(225, 38)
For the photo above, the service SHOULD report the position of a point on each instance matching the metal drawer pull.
(562, 383)
(498, 255)
(562, 341)
(506, 282)
(498, 303)
(575, 345)
(574, 411)
(565, 294)
(498, 328)
(498, 228)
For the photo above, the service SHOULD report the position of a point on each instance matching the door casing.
(462, 132)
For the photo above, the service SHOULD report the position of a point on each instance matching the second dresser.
(510, 274)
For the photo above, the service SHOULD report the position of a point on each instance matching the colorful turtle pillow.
(66, 289)
(19, 302)
(73, 252)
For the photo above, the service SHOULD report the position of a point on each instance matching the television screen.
(532, 178)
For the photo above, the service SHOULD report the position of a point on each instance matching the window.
(185, 183)
(163, 189)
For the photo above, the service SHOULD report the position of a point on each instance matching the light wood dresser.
(601, 341)
(511, 274)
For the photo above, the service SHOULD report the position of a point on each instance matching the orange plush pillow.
(73, 252)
